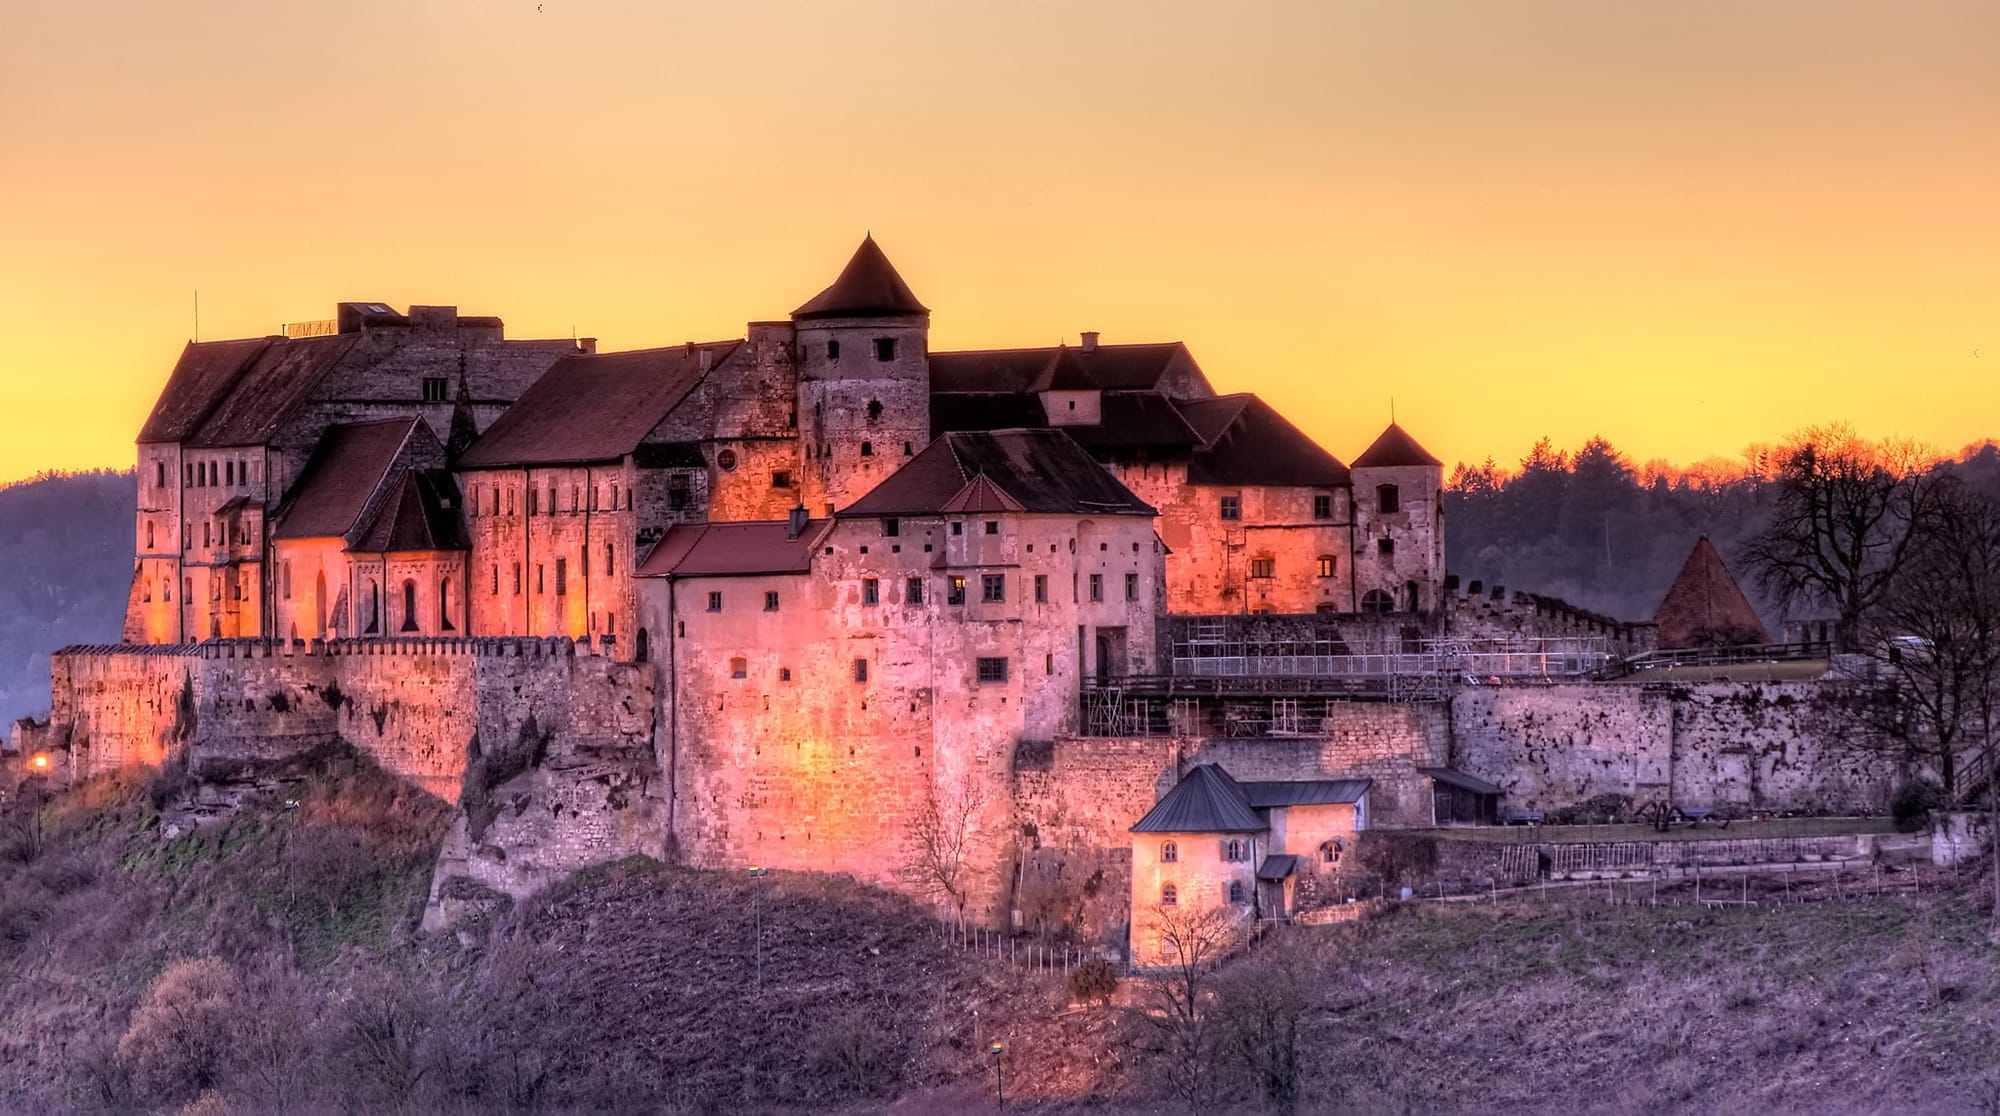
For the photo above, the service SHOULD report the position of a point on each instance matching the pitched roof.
(421, 513)
(1206, 800)
(593, 407)
(733, 549)
(1705, 607)
(1277, 866)
(269, 388)
(980, 495)
(201, 377)
(344, 472)
(984, 411)
(1305, 792)
(1395, 447)
(1250, 443)
(1041, 470)
(868, 287)
(1057, 368)
(1461, 780)
(1134, 421)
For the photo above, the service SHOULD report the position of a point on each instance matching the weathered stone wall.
(1413, 535)
(1210, 561)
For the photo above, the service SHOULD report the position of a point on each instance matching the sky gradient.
(1685, 226)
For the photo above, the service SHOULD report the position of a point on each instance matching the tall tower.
(864, 380)
(1398, 525)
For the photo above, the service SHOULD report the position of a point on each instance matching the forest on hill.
(1592, 529)
(66, 549)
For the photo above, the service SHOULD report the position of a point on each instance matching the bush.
(1912, 802)
(182, 1030)
(1095, 979)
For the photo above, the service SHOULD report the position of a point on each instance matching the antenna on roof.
(197, 314)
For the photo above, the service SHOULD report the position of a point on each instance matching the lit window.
(955, 594)
(1326, 565)
(1232, 507)
(992, 670)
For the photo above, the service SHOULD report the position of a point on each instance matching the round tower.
(864, 380)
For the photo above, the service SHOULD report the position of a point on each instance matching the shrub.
(182, 1030)
(1095, 979)
(1912, 801)
(853, 1059)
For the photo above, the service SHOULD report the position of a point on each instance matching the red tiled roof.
(733, 549)
(201, 377)
(1395, 447)
(342, 476)
(1041, 470)
(593, 407)
(1252, 444)
(1057, 368)
(1705, 607)
(421, 513)
(868, 287)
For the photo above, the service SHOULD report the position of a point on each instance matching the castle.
(820, 597)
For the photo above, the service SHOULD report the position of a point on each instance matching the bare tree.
(1173, 1003)
(1260, 1004)
(943, 838)
(1849, 514)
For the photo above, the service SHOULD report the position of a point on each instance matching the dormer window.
(885, 349)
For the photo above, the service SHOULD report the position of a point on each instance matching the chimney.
(707, 359)
(1089, 340)
(687, 348)
(796, 525)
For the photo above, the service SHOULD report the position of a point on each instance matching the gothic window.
(993, 588)
(885, 349)
(1263, 567)
(715, 602)
(1375, 600)
(285, 579)
(1170, 896)
(1041, 588)
(913, 591)
(1232, 507)
(1096, 587)
(992, 670)
(955, 593)
(833, 350)
(771, 601)
(409, 606)
(374, 608)
(1323, 505)
(1131, 587)
(444, 606)
(871, 591)
(1232, 850)
(1326, 565)
(1388, 498)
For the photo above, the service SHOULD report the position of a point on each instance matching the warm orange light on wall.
(40, 762)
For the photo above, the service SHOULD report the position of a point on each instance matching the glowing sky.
(1684, 225)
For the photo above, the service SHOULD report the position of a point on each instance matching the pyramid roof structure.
(1705, 607)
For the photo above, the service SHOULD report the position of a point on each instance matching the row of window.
(1388, 498)
(992, 590)
(989, 670)
(885, 349)
(229, 473)
(487, 500)
(1235, 850)
(211, 531)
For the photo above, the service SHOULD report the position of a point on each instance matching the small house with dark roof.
(1214, 842)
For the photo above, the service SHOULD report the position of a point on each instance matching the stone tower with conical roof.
(864, 380)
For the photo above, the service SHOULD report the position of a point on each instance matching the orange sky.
(1687, 226)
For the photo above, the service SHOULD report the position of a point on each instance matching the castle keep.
(820, 597)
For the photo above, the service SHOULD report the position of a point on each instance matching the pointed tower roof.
(868, 287)
(1206, 800)
(1705, 607)
(1395, 447)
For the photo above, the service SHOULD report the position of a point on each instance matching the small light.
(996, 1048)
(41, 761)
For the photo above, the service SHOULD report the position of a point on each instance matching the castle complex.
(972, 624)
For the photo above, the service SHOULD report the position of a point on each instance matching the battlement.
(494, 647)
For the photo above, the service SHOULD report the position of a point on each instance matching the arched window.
(1236, 891)
(1327, 566)
(1170, 895)
(444, 606)
(409, 606)
(1388, 498)
(1232, 849)
(149, 534)
(1329, 851)
(1376, 600)
(643, 648)
(1169, 853)
(374, 608)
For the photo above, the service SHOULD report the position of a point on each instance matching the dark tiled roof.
(984, 411)
(1461, 780)
(1305, 792)
(1253, 444)
(733, 549)
(1705, 607)
(1206, 800)
(1057, 368)
(1042, 470)
(980, 494)
(593, 407)
(200, 379)
(283, 376)
(344, 472)
(1395, 447)
(1277, 866)
(422, 513)
(1136, 421)
(868, 287)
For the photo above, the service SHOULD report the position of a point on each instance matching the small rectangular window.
(496, 579)
(435, 389)
(993, 588)
(159, 474)
(992, 526)
(861, 670)
(517, 579)
(1326, 565)
(781, 478)
(1131, 587)
(992, 670)
(1388, 498)
(1263, 567)
(913, 591)
(871, 591)
(833, 350)
(534, 501)
(891, 528)
(885, 348)
(958, 528)
(1041, 588)
(955, 594)
(541, 580)
(1323, 506)
(1096, 587)
(771, 601)
(1232, 507)
(677, 494)
(739, 668)
(1385, 547)
(715, 602)
(610, 558)
(562, 577)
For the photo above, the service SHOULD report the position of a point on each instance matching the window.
(1236, 891)
(444, 606)
(781, 478)
(534, 501)
(1232, 849)
(955, 593)
(517, 579)
(285, 580)
(541, 579)
(435, 388)
(867, 449)
(1170, 896)
(833, 350)
(992, 526)
(739, 668)
(206, 538)
(374, 607)
(726, 460)
(993, 588)
(1375, 600)
(1041, 588)
(871, 591)
(1326, 566)
(1329, 852)
(1263, 567)
(159, 474)
(149, 534)
(992, 670)
(885, 348)
(874, 409)
(1385, 547)
(958, 528)
(913, 591)
(892, 528)
(677, 494)
(1232, 507)
(784, 674)
(1131, 587)
(715, 602)
(771, 601)
(409, 606)
(614, 498)
(1096, 587)
(907, 450)
(610, 558)
(861, 670)
(510, 501)
(229, 472)
(562, 577)
(1323, 505)
(1388, 498)
(496, 579)
(575, 499)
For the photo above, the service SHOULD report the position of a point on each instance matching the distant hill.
(65, 569)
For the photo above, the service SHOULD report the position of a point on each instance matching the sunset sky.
(1686, 226)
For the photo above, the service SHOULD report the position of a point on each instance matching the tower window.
(159, 474)
(1170, 853)
(957, 528)
(1263, 567)
(885, 348)
(992, 526)
(781, 478)
(1232, 507)
(1388, 498)
(434, 389)
(891, 528)
(1385, 547)
(771, 601)
(1236, 891)
(1170, 896)
(906, 449)
(562, 577)
(861, 670)
(726, 460)
(874, 409)
(739, 668)
(833, 350)
(1096, 587)
(1041, 588)
(1131, 587)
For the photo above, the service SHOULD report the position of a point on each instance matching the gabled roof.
(980, 495)
(1395, 447)
(1250, 443)
(1206, 800)
(421, 513)
(1277, 866)
(1305, 792)
(1057, 368)
(593, 407)
(1041, 470)
(200, 379)
(284, 374)
(1705, 607)
(868, 287)
(343, 474)
(733, 549)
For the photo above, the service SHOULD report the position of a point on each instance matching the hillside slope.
(66, 547)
